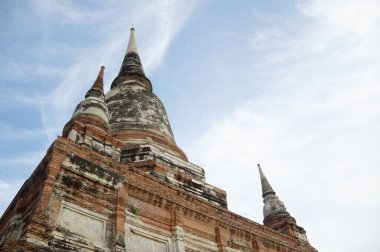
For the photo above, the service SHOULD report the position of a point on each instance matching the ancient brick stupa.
(117, 181)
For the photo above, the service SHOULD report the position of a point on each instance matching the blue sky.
(293, 85)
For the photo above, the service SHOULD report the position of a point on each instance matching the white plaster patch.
(196, 243)
(176, 161)
(92, 106)
(141, 237)
(233, 250)
(83, 222)
(140, 243)
(301, 236)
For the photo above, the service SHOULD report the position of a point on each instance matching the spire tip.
(266, 187)
(132, 46)
(98, 84)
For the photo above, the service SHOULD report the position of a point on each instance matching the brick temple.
(117, 181)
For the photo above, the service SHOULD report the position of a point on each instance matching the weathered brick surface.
(141, 195)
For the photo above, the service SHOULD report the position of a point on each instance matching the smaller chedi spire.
(93, 109)
(272, 204)
(97, 88)
(275, 214)
(89, 125)
(265, 186)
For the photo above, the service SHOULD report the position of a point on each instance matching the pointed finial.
(132, 46)
(99, 80)
(131, 66)
(98, 84)
(265, 186)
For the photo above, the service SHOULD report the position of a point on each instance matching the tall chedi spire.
(131, 67)
(275, 214)
(137, 115)
(138, 118)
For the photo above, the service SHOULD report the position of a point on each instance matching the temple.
(117, 181)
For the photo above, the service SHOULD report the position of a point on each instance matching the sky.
(292, 85)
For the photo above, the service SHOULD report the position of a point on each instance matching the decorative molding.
(92, 171)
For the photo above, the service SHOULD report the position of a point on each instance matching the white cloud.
(314, 129)
(347, 18)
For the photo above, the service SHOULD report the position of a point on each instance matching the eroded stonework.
(127, 212)
(133, 107)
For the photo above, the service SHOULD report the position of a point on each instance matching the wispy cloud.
(162, 21)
